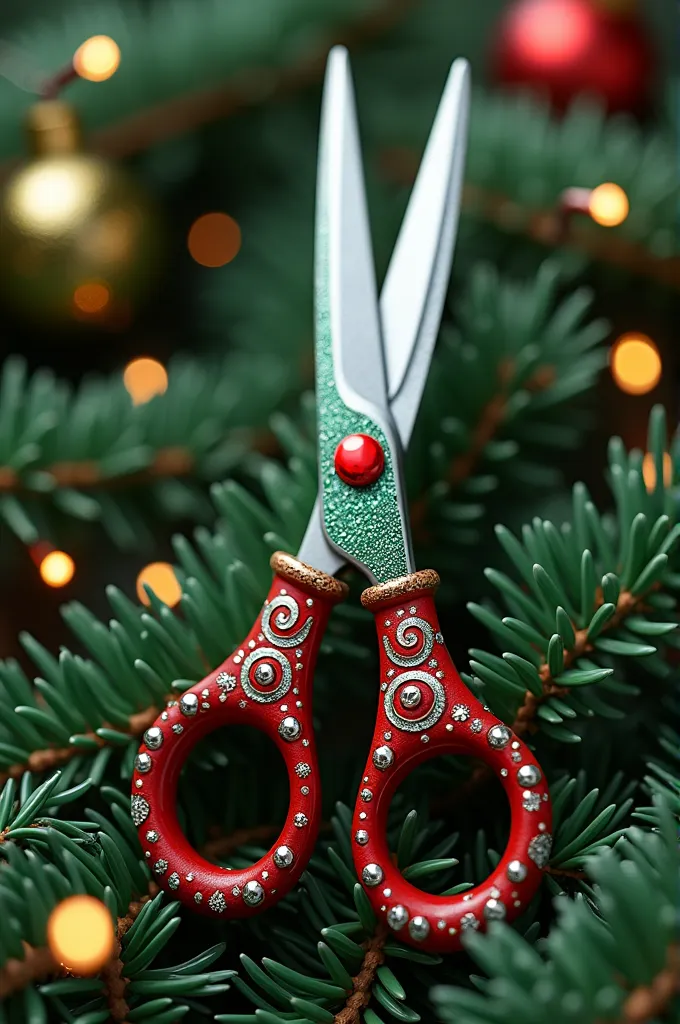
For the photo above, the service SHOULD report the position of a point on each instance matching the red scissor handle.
(426, 710)
(266, 683)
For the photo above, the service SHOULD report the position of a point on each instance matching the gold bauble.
(79, 239)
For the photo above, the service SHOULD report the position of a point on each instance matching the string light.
(160, 576)
(91, 298)
(608, 205)
(80, 934)
(57, 569)
(144, 378)
(97, 58)
(649, 470)
(635, 363)
(214, 239)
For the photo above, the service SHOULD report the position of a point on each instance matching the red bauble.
(359, 460)
(567, 47)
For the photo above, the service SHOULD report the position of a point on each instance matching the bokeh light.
(649, 470)
(144, 378)
(551, 34)
(80, 934)
(160, 576)
(214, 239)
(608, 205)
(97, 58)
(91, 298)
(57, 569)
(635, 363)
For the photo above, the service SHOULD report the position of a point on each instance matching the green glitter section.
(364, 521)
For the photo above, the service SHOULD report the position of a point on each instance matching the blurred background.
(157, 162)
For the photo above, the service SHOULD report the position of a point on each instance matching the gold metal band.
(424, 581)
(307, 577)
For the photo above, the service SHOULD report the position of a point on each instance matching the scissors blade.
(367, 525)
(417, 278)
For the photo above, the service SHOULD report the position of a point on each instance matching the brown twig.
(38, 962)
(362, 983)
(648, 1002)
(525, 719)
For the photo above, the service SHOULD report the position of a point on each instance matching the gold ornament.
(79, 239)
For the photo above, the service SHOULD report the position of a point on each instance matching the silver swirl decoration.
(284, 620)
(427, 720)
(408, 636)
(286, 675)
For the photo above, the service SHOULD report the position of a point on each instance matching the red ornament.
(359, 460)
(567, 47)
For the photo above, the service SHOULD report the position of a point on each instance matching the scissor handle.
(265, 683)
(426, 710)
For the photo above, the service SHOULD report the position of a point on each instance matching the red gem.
(359, 460)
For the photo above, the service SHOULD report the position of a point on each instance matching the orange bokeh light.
(214, 239)
(635, 363)
(608, 205)
(57, 569)
(91, 298)
(80, 934)
(160, 576)
(144, 378)
(97, 58)
(649, 470)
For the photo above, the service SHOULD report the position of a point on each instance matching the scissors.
(372, 360)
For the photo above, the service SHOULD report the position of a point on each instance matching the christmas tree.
(158, 444)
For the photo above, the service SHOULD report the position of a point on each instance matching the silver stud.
(205, 705)
(198, 897)
(387, 893)
(298, 653)
(304, 790)
(387, 736)
(539, 849)
(188, 704)
(439, 674)
(498, 736)
(298, 703)
(529, 775)
(253, 893)
(305, 743)
(138, 783)
(289, 729)
(160, 867)
(418, 928)
(205, 693)
(469, 921)
(153, 737)
(516, 871)
(173, 880)
(217, 902)
(460, 712)
(139, 809)
(410, 696)
(388, 623)
(178, 728)
(424, 738)
(383, 687)
(264, 674)
(226, 682)
(516, 755)
(236, 891)
(300, 820)
(515, 745)
(251, 644)
(190, 876)
(309, 602)
(164, 716)
(449, 727)
(284, 707)
(366, 795)
(361, 837)
(476, 725)
(541, 826)
(152, 836)
(412, 610)
(283, 856)
(439, 638)
(147, 854)
(383, 758)
(495, 893)
(441, 925)
(390, 673)
(372, 875)
(531, 801)
(143, 763)
(265, 875)
(494, 910)
(504, 772)
(397, 917)
(433, 663)
(400, 612)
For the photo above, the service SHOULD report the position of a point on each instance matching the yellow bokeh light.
(91, 298)
(160, 576)
(57, 569)
(143, 378)
(635, 363)
(97, 58)
(608, 205)
(80, 934)
(214, 239)
(649, 470)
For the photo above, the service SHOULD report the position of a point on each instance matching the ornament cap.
(53, 127)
